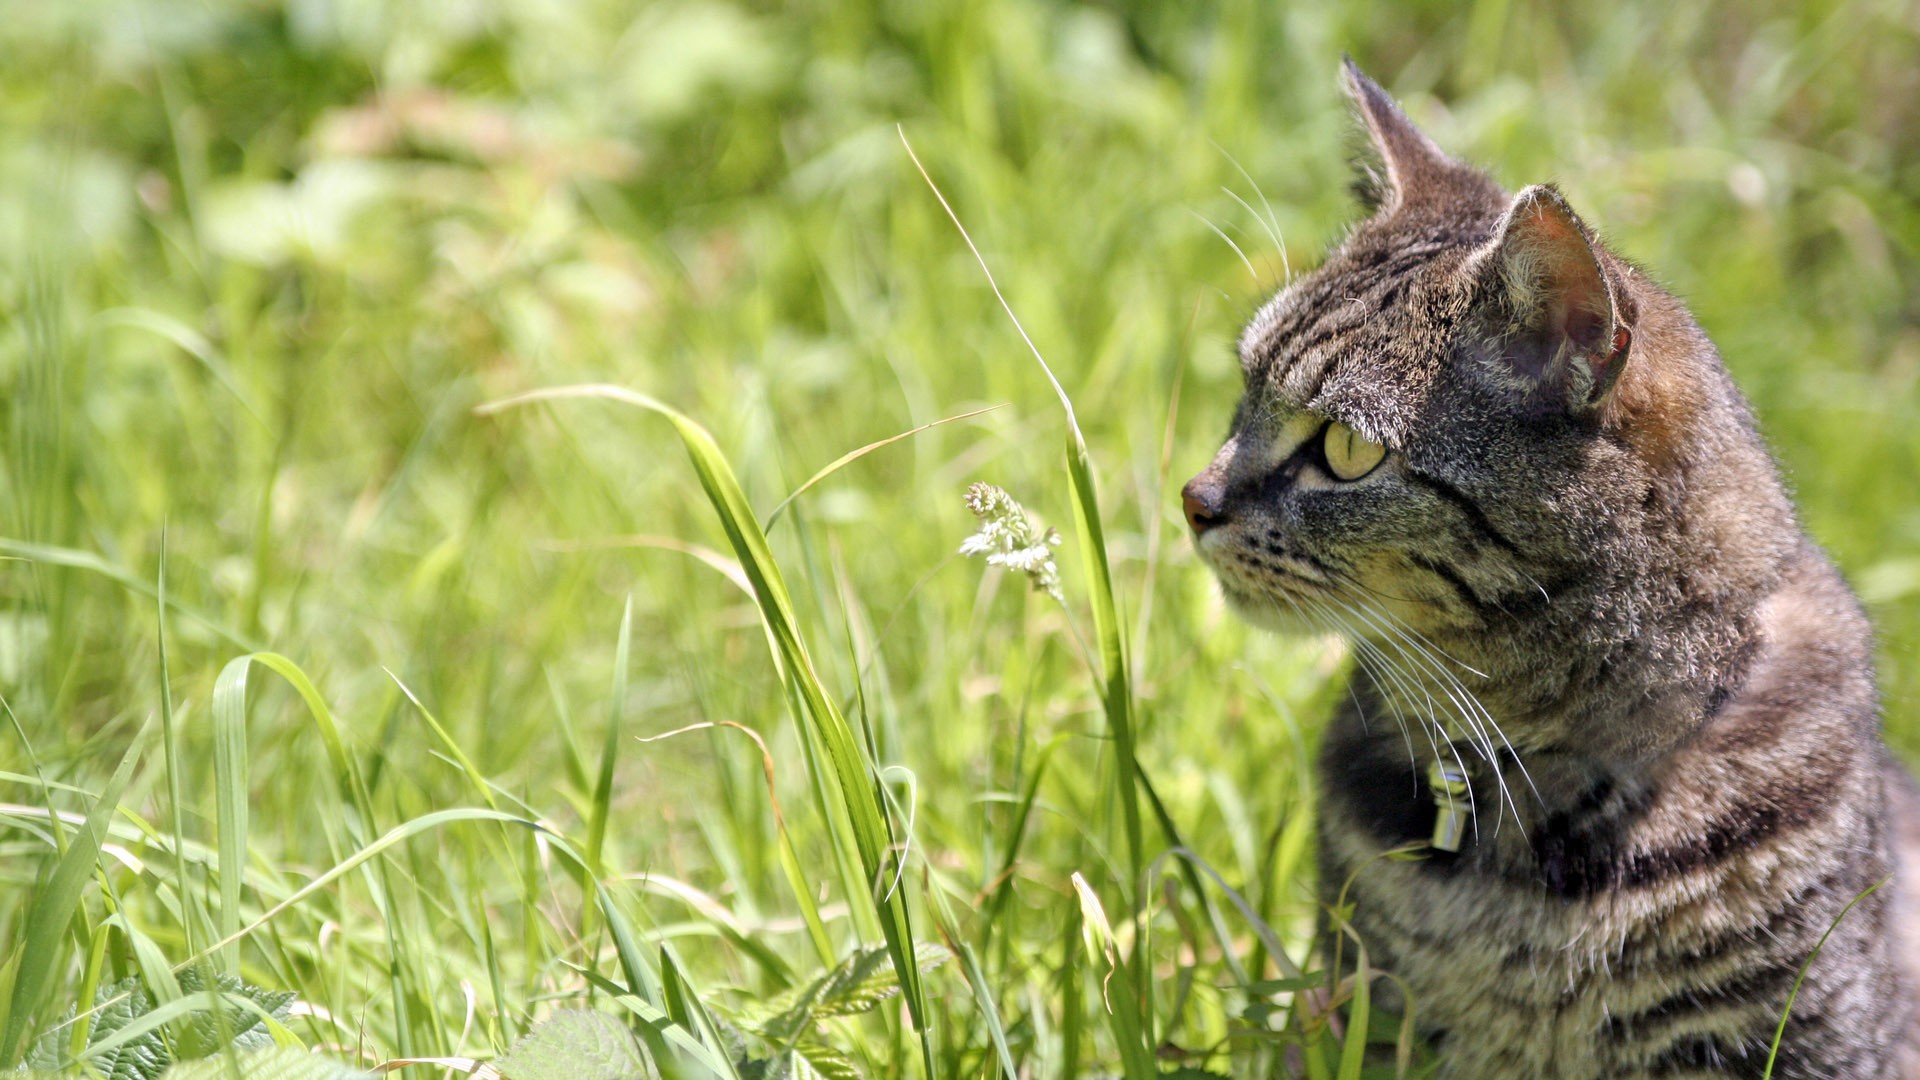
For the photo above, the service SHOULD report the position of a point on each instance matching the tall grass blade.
(684, 1005)
(858, 782)
(1116, 692)
(1353, 1051)
(88, 561)
(176, 807)
(230, 783)
(54, 904)
(610, 751)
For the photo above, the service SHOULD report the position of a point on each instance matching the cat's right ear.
(1546, 305)
(1412, 162)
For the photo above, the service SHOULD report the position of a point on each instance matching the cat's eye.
(1350, 455)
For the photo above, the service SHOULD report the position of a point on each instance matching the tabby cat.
(1621, 703)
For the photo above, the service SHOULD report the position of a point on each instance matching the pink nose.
(1202, 503)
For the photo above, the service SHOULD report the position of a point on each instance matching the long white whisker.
(1371, 664)
(1411, 687)
(1473, 711)
(1272, 232)
(1272, 221)
(1248, 263)
(1306, 615)
(1387, 673)
(1415, 634)
(1400, 629)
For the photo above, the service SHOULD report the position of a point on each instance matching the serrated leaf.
(143, 1058)
(576, 1045)
(272, 1063)
(804, 1061)
(812, 1059)
(859, 984)
(146, 1056)
(243, 1027)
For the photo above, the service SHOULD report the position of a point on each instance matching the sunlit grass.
(455, 718)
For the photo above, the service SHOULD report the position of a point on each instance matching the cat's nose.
(1204, 501)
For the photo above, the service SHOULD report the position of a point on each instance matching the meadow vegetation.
(567, 705)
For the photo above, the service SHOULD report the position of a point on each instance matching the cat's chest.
(1536, 951)
(1514, 981)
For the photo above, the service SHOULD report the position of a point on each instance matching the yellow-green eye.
(1350, 455)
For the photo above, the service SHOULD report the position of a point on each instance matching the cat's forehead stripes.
(1353, 339)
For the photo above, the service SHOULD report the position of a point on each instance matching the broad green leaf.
(141, 1058)
(576, 1045)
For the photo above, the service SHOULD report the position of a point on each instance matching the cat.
(1607, 687)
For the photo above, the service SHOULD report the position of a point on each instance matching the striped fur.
(1577, 575)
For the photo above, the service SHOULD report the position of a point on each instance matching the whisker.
(1248, 263)
(1348, 579)
(1307, 615)
(1271, 221)
(1473, 712)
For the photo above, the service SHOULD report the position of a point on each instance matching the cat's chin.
(1269, 612)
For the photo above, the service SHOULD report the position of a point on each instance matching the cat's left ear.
(1547, 303)
(1417, 170)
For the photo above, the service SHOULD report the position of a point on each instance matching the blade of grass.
(852, 456)
(687, 1010)
(460, 758)
(789, 857)
(977, 982)
(610, 750)
(54, 904)
(1780, 1031)
(176, 807)
(230, 784)
(863, 801)
(87, 560)
(1353, 1051)
(1118, 999)
(1116, 692)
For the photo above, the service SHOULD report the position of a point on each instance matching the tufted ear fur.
(1546, 301)
(1415, 167)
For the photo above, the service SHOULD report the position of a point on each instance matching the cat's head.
(1453, 417)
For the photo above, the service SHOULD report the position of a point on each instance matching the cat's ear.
(1414, 165)
(1547, 304)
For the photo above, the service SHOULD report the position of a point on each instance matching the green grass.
(259, 269)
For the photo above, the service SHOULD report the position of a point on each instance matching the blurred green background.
(259, 262)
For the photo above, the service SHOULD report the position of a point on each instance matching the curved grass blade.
(852, 456)
(1116, 691)
(1780, 1032)
(610, 752)
(862, 799)
(75, 559)
(230, 785)
(1353, 1050)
